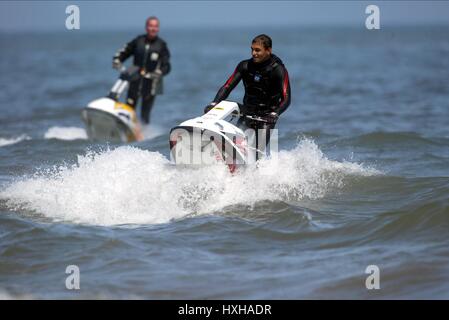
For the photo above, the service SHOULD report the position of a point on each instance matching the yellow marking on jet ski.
(137, 131)
(124, 106)
(217, 108)
(119, 105)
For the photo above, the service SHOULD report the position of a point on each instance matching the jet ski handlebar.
(130, 74)
(241, 113)
(133, 72)
(255, 118)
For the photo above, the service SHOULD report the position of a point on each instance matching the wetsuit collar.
(264, 63)
(151, 40)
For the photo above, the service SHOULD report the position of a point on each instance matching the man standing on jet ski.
(152, 56)
(267, 86)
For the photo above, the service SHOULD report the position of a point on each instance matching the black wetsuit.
(267, 89)
(149, 55)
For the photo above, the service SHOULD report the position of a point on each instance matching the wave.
(425, 207)
(10, 141)
(395, 138)
(75, 133)
(128, 185)
(66, 133)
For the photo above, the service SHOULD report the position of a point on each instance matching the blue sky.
(120, 15)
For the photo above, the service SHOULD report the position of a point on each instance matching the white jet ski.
(108, 119)
(217, 137)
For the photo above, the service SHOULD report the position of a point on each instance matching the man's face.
(152, 28)
(259, 52)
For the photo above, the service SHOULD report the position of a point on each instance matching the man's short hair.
(264, 40)
(152, 18)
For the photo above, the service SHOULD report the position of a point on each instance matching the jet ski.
(220, 136)
(108, 119)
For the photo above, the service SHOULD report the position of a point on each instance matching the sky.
(120, 15)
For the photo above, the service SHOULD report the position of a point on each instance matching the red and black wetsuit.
(267, 89)
(267, 86)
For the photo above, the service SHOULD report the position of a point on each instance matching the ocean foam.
(10, 141)
(65, 133)
(128, 185)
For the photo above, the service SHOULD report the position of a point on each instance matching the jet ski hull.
(195, 146)
(210, 139)
(103, 126)
(108, 120)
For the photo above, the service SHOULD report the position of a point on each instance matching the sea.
(355, 204)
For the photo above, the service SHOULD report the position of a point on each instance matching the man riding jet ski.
(108, 119)
(267, 95)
